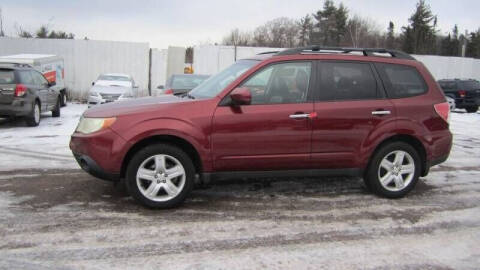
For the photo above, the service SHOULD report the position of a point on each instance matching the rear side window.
(346, 81)
(448, 85)
(6, 76)
(26, 77)
(469, 85)
(401, 81)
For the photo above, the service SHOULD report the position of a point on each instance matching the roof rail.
(365, 51)
(269, 52)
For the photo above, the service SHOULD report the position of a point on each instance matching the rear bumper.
(439, 150)
(18, 107)
(466, 102)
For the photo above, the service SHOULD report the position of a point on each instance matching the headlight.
(90, 125)
(93, 94)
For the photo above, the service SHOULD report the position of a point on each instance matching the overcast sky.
(189, 22)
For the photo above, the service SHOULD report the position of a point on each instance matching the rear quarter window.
(7, 76)
(401, 81)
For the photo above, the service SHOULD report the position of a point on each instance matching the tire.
(154, 188)
(33, 119)
(396, 184)
(63, 98)
(471, 109)
(56, 110)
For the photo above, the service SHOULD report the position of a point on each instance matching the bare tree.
(237, 38)
(363, 32)
(21, 32)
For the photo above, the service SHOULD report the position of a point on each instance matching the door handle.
(381, 112)
(299, 116)
(303, 115)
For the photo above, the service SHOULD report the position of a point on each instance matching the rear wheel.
(33, 119)
(471, 109)
(394, 170)
(160, 176)
(56, 110)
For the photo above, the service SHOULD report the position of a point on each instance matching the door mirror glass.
(241, 96)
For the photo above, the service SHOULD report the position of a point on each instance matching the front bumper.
(100, 153)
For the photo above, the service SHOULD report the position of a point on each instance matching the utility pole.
(2, 34)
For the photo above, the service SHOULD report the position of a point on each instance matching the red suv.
(308, 111)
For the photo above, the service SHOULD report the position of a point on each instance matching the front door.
(274, 131)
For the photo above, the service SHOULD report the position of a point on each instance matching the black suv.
(26, 93)
(465, 92)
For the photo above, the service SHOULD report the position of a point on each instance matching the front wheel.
(471, 109)
(394, 170)
(63, 99)
(160, 176)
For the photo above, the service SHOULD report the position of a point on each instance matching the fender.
(394, 127)
(194, 134)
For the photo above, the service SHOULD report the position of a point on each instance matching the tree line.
(333, 26)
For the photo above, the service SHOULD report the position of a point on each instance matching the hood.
(138, 105)
(113, 83)
(105, 89)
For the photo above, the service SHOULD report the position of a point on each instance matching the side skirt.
(225, 175)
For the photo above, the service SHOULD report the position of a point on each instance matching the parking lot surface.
(56, 216)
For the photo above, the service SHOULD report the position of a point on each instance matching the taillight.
(462, 93)
(20, 90)
(443, 110)
(168, 92)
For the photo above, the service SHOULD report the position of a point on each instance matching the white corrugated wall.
(210, 59)
(86, 59)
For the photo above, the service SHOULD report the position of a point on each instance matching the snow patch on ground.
(42, 147)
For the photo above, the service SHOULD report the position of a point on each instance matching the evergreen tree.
(331, 24)
(390, 42)
(421, 31)
(306, 29)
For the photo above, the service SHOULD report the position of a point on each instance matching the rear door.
(351, 107)
(7, 86)
(41, 86)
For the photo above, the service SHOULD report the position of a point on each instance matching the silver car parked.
(111, 87)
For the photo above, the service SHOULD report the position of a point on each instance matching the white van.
(51, 66)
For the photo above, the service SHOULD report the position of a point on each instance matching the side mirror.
(160, 87)
(50, 84)
(93, 83)
(241, 96)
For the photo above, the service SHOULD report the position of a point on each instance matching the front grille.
(110, 97)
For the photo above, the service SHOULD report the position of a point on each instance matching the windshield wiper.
(189, 96)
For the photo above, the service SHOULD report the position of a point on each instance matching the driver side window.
(280, 83)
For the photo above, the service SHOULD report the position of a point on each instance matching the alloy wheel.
(161, 178)
(396, 170)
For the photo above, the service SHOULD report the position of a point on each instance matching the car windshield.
(113, 78)
(215, 84)
(187, 81)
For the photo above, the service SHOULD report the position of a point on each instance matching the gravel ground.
(62, 219)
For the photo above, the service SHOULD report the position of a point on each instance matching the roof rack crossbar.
(364, 51)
